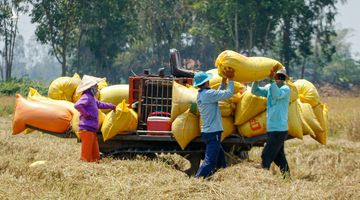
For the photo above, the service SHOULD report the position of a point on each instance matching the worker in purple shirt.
(88, 107)
(211, 129)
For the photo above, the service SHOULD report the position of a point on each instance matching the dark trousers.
(274, 151)
(214, 154)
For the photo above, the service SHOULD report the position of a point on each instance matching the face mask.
(93, 91)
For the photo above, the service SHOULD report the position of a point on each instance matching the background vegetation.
(112, 38)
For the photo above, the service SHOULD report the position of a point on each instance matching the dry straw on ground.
(318, 172)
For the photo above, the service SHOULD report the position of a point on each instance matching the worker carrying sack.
(120, 121)
(40, 115)
(247, 69)
(63, 88)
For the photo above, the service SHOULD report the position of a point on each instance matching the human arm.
(279, 93)
(258, 91)
(218, 95)
(104, 105)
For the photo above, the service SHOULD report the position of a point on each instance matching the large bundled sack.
(295, 123)
(34, 95)
(310, 117)
(307, 92)
(321, 113)
(216, 80)
(185, 128)
(63, 88)
(76, 120)
(122, 120)
(253, 127)
(101, 85)
(226, 108)
(247, 69)
(248, 107)
(228, 126)
(182, 98)
(115, 93)
(44, 116)
(293, 90)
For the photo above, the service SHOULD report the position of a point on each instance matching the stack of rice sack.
(307, 115)
(245, 113)
(57, 114)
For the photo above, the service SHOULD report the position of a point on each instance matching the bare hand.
(229, 73)
(273, 72)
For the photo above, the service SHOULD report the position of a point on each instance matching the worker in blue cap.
(211, 129)
(277, 108)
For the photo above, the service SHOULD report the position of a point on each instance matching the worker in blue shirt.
(211, 129)
(277, 106)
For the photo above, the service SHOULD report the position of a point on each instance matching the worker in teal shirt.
(211, 129)
(277, 106)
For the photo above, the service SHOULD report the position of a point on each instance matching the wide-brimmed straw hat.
(87, 82)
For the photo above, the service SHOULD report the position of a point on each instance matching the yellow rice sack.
(75, 122)
(114, 94)
(248, 107)
(247, 69)
(228, 126)
(293, 90)
(225, 108)
(307, 92)
(305, 126)
(310, 117)
(216, 80)
(120, 121)
(254, 127)
(63, 88)
(321, 113)
(182, 97)
(185, 128)
(294, 120)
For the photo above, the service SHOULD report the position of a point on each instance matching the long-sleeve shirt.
(88, 107)
(277, 105)
(207, 101)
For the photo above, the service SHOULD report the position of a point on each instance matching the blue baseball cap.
(201, 78)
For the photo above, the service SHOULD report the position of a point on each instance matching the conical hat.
(87, 82)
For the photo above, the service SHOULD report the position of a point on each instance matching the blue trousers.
(274, 151)
(214, 155)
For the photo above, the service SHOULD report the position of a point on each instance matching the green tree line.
(115, 38)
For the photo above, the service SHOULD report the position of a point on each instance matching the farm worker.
(211, 129)
(277, 106)
(88, 107)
